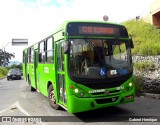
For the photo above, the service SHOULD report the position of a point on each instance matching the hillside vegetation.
(146, 37)
(3, 72)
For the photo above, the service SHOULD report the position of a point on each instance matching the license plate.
(113, 72)
(113, 99)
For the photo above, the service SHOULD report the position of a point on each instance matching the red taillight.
(129, 97)
(71, 87)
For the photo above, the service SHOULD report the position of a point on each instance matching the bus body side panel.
(31, 74)
(47, 76)
(40, 76)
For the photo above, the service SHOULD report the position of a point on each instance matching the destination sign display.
(95, 29)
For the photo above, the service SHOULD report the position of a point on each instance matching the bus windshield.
(99, 58)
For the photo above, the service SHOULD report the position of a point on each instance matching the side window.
(27, 58)
(32, 54)
(49, 50)
(29, 55)
(60, 56)
(41, 56)
(23, 56)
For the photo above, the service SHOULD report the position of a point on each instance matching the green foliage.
(145, 37)
(15, 66)
(144, 66)
(3, 72)
(8, 57)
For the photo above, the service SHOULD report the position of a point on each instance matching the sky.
(36, 19)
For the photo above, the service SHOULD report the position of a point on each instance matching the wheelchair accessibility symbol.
(103, 72)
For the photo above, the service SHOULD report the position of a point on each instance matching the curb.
(3, 78)
(152, 96)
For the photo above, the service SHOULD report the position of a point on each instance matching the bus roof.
(65, 23)
(89, 21)
(63, 26)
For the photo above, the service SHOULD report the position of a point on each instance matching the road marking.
(21, 109)
(25, 112)
(3, 111)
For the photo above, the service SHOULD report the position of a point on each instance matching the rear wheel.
(29, 82)
(33, 89)
(52, 98)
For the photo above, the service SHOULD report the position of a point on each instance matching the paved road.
(17, 100)
(9, 92)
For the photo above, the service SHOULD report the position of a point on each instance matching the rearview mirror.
(66, 47)
(131, 42)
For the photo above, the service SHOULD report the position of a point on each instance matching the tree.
(15, 66)
(8, 57)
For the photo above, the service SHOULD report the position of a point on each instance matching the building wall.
(154, 16)
(155, 13)
(147, 18)
(155, 6)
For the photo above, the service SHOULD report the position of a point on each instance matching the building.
(155, 13)
(154, 16)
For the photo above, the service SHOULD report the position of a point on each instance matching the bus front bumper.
(84, 104)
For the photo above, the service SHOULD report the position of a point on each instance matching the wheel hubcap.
(52, 97)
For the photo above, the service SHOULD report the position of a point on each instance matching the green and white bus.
(84, 65)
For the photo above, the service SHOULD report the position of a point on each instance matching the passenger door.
(61, 73)
(35, 65)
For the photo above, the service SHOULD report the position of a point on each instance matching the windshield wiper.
(116, 40)
(110, 46)
(88, 41)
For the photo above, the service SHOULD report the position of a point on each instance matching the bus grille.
(105, 85)
(113, 92)
(106, 100)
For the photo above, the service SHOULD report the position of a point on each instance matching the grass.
(3, 72)
(144, 66)
(145, 37)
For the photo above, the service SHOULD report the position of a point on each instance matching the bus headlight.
(129, 87)
(76, 90)
(130, 84)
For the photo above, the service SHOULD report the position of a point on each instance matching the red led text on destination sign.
(97, 30)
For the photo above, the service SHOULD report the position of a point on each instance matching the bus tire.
(29, 81)
(52, 98)
(33, 89)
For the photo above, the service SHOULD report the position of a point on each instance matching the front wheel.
(52, 98)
